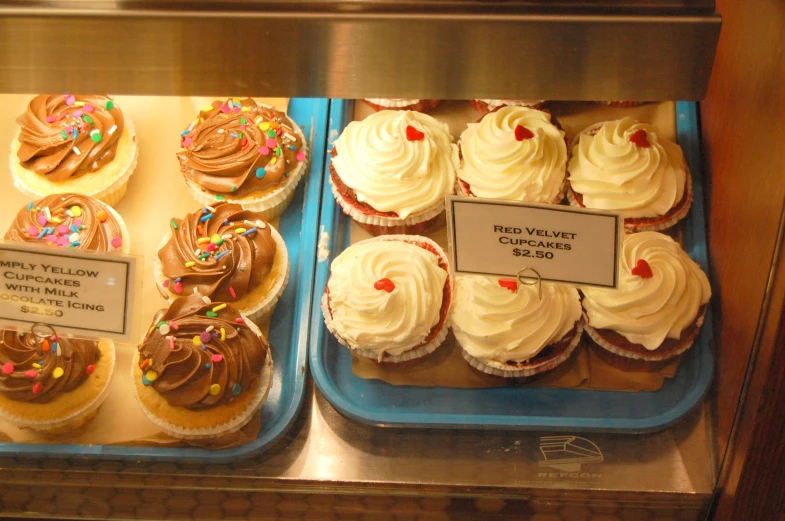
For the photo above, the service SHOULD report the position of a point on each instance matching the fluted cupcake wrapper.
(654, 356)
(412, 224)
(497, 368)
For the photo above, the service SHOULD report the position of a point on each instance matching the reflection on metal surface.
(444, 50)
(568, 453)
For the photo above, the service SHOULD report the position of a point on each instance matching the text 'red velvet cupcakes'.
(658, 309)
(202, 370)
(243, 152)
(391, 171)
(388, 298)
(627, 166)
(74, 144)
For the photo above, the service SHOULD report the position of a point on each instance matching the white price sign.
(561, 243)
(77, 292)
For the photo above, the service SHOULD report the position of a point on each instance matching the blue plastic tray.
(378, 403)
(288, 330)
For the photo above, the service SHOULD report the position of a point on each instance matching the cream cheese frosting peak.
(629, 167)
(514, 153)
(661, 291)
(396, 161)
(495, 323)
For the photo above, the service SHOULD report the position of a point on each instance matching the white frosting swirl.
(613, 173)
(647, 310)
(373, 319)
(393, 102)
(494, 103)
(496, 165)
(391, 173)
(497, 324)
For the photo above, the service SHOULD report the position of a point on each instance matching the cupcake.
(420, 105)
(515, 330)
(483, 106)
(52, 384)
(388, 298)
(202, 371)
(244, 153)
(626, 166)
(226, 254)
(71, 221)
(513, 153)
(391, 171)
(658, 309)
(70, 143)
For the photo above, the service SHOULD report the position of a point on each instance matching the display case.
(336, 447)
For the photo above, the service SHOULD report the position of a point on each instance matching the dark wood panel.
(743, 121)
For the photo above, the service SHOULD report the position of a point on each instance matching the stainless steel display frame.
(357, 49)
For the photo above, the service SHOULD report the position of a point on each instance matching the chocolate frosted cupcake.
(202, 370)
(627, 166)
(245, 153)
(71, 221)
(226, 254)
(52, 384)
(73, 143)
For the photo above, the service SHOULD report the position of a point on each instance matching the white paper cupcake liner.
(110, 194)
(500, 369)
(377, 220)
(258, 311)
(272, 203)
(75, 417)
(648, 357)
(124, 233)
(417, 351)
(235, 424)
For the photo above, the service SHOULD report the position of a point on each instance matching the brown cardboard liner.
(583, 370)
(155, 195)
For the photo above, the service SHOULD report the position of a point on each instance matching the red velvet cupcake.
(388, 298)
(420, 105)
(391, 171)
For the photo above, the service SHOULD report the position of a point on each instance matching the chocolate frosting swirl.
(198, 361)
(240, 147)
(68, 135)
(232, 250)
(73, 220)
(39, 373)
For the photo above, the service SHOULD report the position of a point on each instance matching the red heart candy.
(412, 134)
(385, 284)
(639, 138)
(642, 269)
(522, 133)
(511, 285)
